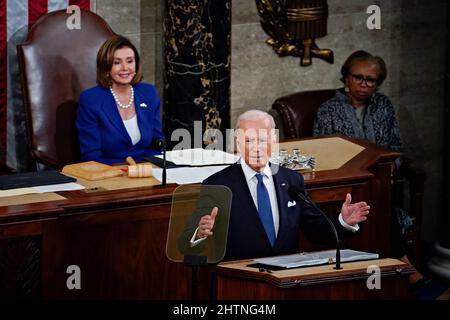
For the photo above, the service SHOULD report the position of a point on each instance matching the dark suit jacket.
(246, 235)
(101, 131)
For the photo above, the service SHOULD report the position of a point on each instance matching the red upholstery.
(298, 110)
(56, 64)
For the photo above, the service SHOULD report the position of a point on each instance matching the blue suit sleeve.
(157, 126)
(88, 130)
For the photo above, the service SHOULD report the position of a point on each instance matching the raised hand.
(206, 224)
(354, 213)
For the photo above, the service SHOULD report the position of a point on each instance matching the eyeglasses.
(359, 79)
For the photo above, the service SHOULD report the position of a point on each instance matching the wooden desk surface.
(330, 153)
(352, 171)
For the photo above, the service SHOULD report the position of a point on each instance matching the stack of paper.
(316, 258)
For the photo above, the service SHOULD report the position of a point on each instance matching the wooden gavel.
(138, 170)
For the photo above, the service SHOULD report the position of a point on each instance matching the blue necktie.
(264, 209)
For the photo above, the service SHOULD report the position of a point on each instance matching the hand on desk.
(206, 224)
(354, 213)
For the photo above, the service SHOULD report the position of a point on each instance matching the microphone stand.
(164, 165)
(303, 197)
(195, 262)
(160, 145)
(338, 242)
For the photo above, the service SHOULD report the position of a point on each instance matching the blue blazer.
(246, 235)
(102, 133)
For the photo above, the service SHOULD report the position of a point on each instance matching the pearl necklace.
(123, 106)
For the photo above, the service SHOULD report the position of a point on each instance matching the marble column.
(439, 262)
(445, 231)
(197, 66)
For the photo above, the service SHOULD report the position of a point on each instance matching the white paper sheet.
(59, 187)
(41, 189)
(187, 175)
(16, 192)
(200, 157)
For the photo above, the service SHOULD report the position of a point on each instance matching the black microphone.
(299, 194)
(159, 144)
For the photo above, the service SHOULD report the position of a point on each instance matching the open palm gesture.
(354, 213)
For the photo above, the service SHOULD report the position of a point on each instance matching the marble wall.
(142, 22)
(411, 41)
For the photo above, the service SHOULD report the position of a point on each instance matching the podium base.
(439, 263)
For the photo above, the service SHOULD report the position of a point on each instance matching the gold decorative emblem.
(293, 25)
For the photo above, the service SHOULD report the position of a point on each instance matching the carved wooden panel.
(20, 267)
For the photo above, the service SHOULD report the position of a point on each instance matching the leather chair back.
(56, 64)
(298, 110)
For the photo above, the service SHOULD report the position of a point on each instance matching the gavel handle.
(131, 161)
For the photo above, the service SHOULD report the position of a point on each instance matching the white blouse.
(133, 129)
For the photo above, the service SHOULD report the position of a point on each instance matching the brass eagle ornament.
(293, 25)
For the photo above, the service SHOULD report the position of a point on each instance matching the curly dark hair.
(361, 55)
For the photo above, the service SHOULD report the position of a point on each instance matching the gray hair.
(255, 114)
